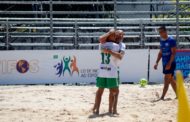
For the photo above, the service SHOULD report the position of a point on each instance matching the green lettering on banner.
(55, 56)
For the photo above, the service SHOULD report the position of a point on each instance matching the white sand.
(72, 104)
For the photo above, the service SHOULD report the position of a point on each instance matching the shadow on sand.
(167, 99)
(102, 115)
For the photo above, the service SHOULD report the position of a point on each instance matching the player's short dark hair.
(163, 28)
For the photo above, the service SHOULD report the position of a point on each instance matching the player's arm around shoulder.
(119, 54)
(103, 38)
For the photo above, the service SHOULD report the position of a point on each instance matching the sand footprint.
(50, 98)
(134, 116)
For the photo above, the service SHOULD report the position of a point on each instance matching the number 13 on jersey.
(105, 58)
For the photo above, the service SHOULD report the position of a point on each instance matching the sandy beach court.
(73, 104)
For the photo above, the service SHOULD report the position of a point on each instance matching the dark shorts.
(171, 70)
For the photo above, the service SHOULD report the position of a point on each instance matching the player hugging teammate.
(112, 51)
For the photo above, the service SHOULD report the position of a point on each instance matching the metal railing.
(76, 33)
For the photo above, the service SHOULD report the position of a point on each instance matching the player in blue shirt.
(167, 53)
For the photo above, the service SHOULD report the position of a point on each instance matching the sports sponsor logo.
(67, 64)
(21, 66)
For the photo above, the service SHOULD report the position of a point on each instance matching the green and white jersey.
(109, 64)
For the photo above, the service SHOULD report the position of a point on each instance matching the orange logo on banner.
(67, 64)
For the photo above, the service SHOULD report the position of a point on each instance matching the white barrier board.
(69, 66)
(155, 75)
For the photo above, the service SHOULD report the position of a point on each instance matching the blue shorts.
(171, 70)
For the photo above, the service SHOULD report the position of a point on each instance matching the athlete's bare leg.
(98, 100)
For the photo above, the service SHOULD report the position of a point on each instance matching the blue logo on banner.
(66, 64)
(22, 66)
(183, 62)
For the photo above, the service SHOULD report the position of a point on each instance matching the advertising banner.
(65, 66)
(40, 67)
